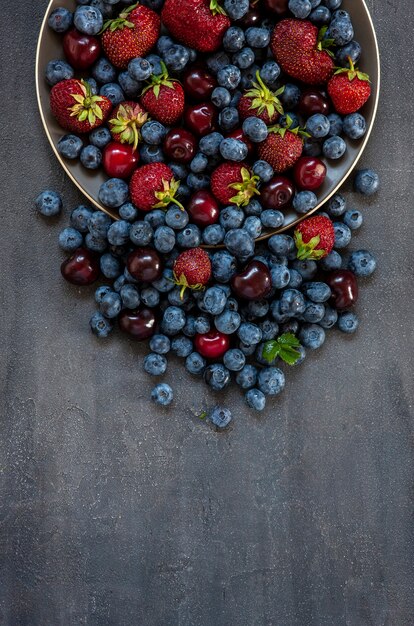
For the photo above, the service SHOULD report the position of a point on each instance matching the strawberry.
(282, 147)
(300, 51)
(199, 24)
(76, 109)
(130, 35)
(163, 98)
(349, 89)
(126, 122)
(233, 183)
(153, 187)
(314, 238)
(192, 268)
(261, 102)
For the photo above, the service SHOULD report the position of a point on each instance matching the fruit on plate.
(180, 145)
(130, 35)
(76, 109)
(192, 269)
(126, 122)
(260, 101)
(314, 238)
(349, 89)
(153, 186)
(119, 159)
(199, 24)
(203, 208)
(309, 173)
(282, 147)
(81, 50)
(234, 183)
(301, 51)
(163, 98)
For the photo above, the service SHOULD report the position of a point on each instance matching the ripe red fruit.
(277, 193)
(212, 345)
(76, 109)
(279, 7)
(127, 121)
(282, 147)
(130, 35)
(180, 145)
(298, 48)
(153, 186)
(192, 268)
(239, 134)
(309, 173)
(81, 268)
(253, 283)
(201, 119)
(199, 24)
(81, 50)
(260, 101)
(203, 208)
(145, 265)
(233, 183)
(119, 160)
(312, 102)
(198, 83)
(344, 287)
(164, 98)
(140, 324)
(349, 89)
(314, 237)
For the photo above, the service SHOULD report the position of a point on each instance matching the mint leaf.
(284, 347)
(270, 350)
(289, 339)
(289, 355)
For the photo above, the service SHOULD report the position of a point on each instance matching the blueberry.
(355, 126)
(189, 237)
(236, 9)
(202, 325)
(113, 192)
(110, 266)
(269, 329)
(312, 336)
(292, 302)
(114, 92)
(248, 77)
(336, 205)
(217, 376)
(217, 61)
(254, 208)
(330, 318)
(164, 239)
(221, 97)
(49, 203)
(318, 125)
(272, 218)
(100, 325)
(60, 20)
(111, 304)
(239, 243)
(295, 279)
(343, 235)
(316, 291)
(366, 182)
(199, 163)
(280, 276)
(166, 282)
(270, 72)
(233, 40)
(347, 322)
(181, 346)
(351, 49)
(333, 261)
(247, 377)
(95, 243)
(151, 154)
(234, 360)
(290, 96)
(334, 147)
(213, 235)
(335, 124)
(320, 16)
(304, 201)
(173, 320)
(223, 266)
(160, 344)
(155, 62)
(281, 245)
(88, 20)
(176, 218)
(80, 217)
(253, 226)
(313, 313)
(176, 57)
(118, 233)
(195, 363)
(271, 381)
(162, 394)
(130, 87)
(141, 233)
(255, 129)
(255, 309)
(155, 218)
(227, 322)
(155, 364)
(249, 334)
(257, 37)
(243, 59)
(263, 170)
(235, 98)
(255, 399)
(101, 292)
(233, 150)
(100, 137)
(362, 263)
(333, 4)
(228, 118)
(340, 28)
(180, 171)
(197, 181)
(353, 219)
(70, 146)
(150, 297)
(231, 217)
(130, 297)
(220, 416)
(91, 157)
(139, 69)
(103, 71)
(307, 269)
(214, 300)
(153, 132)
(70, 239)
(229, 77)
(58, 70)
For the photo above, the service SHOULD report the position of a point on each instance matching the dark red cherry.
(81, 50)
(344, 287)
(238, 134)
(201, 118)
(212, 345)
(253, 283)
(203, 208)
(313, 101)
(198, 83)
(81, 268)
(278, 7)
(119, 159)
(140, 324)
(145, 265)
(309, 172)
(277, 193)
(252, 18)
(180, 145)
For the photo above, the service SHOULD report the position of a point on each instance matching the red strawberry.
(76, 109)
(314, 238)
(261, 102)
(199, 24)
(299, 50)
(153, 187)
(164, 98)
(192, 268)
(130, 35)
(233, 183)
(282, 147)
(126, 122)
(349, 89)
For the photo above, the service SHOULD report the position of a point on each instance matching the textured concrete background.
(115, 513)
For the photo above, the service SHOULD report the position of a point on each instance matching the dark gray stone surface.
(115, 513)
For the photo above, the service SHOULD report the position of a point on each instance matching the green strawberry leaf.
(284, 347)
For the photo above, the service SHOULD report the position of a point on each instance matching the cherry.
(212, 345)
(180, 145)
(277, 193)
(201, 118)
(239, 134)
(198, 83)
(344, 288)
(253, 283)
(81, 50)
(203, 208)
(119, 159)
(309, 172)
(313, 101)
(81, 268)
(139, 323)
(145, 265)
(279, 7)
(252, 18)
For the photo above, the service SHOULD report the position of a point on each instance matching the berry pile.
(209, 118)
